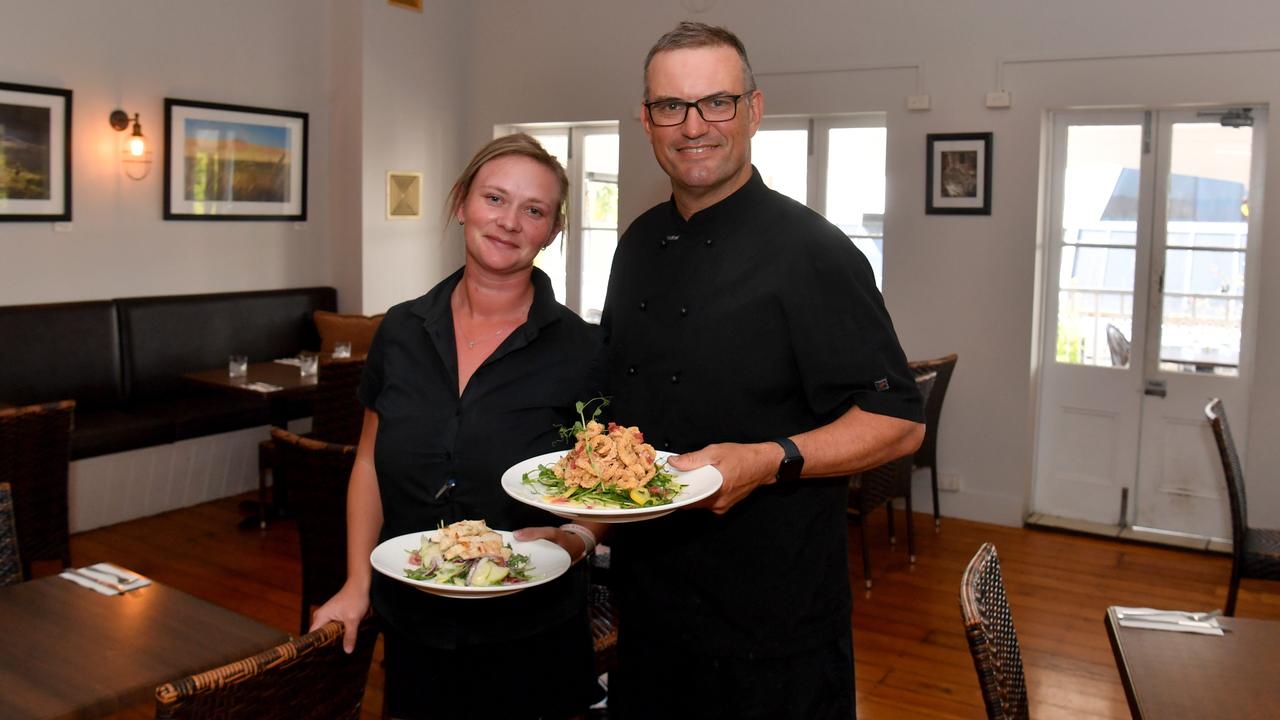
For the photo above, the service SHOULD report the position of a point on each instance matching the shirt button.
(684, 311)
(662, 242)
(644, 304)
(666, 443)
(675, 377)
(632, 370)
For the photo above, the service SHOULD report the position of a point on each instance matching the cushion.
(64, 351)
(355, 329)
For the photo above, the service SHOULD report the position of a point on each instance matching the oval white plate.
(547, 561)
(699, 483)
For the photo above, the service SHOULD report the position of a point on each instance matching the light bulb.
(137, 146)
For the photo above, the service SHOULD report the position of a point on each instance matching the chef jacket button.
(684, 311)
(708, 242)
(675, 377)
(673, 237)
(662, 242)
(632, 370)
(644, 304)
(666, 443)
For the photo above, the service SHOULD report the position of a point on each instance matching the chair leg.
(911, 536)
(262, 496)
(937, 513)
(866, 551)
(893, 533)
(1233, 590)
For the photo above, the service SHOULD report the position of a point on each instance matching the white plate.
(547, 562)
(699, 483)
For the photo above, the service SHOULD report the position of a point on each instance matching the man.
(744, 331)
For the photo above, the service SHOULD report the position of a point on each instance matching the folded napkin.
(106, 578)
(262, 387)
(289, 361)
(1173, 620)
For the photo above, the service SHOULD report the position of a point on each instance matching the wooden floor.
(911, 657)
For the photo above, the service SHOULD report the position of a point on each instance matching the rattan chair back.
(35, 457)
(993, 641)
(337, 415)
(309, 678)
(317, 474)
(10, 560)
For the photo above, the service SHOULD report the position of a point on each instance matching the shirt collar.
(733, 206)
(434, 306)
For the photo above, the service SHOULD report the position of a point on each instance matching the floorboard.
(911, 656)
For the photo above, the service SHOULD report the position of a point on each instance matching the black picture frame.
(35, 153)
(958, 173)
(234, 162)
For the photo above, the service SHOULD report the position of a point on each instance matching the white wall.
(131, 54)
(963, 284)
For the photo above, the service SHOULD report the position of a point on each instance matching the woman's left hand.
(571, 542)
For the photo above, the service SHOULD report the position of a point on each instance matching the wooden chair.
(10, 561)
(1255, 552)
(993, 641)
(927, 455)
(317, 473)
(879, 486)
(35, 457)
(309, 678)
(336, 417)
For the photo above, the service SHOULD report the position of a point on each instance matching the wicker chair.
(1255, 552)
(309, 678)
(35, 456)
(336, 417)
(993, 641)
(927, 455)
(317, 473)
(10, 561)
(879, 486)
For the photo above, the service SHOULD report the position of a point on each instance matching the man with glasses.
(746, 332)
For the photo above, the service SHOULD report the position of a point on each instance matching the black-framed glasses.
(712, 108)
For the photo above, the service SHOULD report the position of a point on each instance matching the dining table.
(1173, 675)
(260, 377)
(71, 652)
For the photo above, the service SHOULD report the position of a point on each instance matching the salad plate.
(547, 561)
(698, 483)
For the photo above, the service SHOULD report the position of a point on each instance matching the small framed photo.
(230, 162)
(35, 154)
(958, 174)
(404, 195)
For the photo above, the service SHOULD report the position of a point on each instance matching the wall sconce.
(135, 158)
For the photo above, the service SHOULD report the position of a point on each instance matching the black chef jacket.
(427, 435)
(754, 319)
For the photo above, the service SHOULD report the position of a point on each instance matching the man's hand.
(744, 468)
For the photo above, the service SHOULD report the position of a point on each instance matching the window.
(835, 165)
(578, 261)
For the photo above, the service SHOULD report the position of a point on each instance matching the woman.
(460, 384)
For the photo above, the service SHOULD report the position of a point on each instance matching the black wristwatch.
(792, 461)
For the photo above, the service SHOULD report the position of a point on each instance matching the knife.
(106, 583)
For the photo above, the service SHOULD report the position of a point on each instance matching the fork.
(118, 577)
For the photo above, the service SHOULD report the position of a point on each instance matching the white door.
(1147, 212)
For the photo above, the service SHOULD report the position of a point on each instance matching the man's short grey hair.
(698, 35)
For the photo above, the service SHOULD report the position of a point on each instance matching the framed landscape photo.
(958, 174)
(35, 153)
(230, 162)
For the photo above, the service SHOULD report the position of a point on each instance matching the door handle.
(1156, 388)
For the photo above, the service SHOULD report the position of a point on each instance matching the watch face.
(790, 468)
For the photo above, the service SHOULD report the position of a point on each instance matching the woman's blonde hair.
(516, 144)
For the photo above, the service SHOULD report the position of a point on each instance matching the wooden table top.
(287, 377)
(1172, 675)
(69, 652)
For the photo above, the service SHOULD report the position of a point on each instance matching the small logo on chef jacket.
(882, 384)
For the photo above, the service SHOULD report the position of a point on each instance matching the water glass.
(342, 349)
(308, 364)
(237, 367)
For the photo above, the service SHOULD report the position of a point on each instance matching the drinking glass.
(308, 364)
(237, 366)
(342, 349)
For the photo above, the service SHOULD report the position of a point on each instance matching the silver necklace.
(472, 343)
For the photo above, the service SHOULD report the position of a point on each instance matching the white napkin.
(1172, 620)
(87, 583)
(108, 573)
(289, 361)
(262, 387)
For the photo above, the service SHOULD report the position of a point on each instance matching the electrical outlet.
(949, 482)
(917, 102)
(999, 99)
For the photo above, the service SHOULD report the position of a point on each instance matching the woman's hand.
(572, 543)
(348, 607)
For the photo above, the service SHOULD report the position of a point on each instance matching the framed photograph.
(35, 154)
(958, 174)
(230, 162)
(404, 195)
